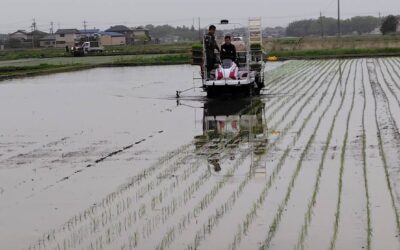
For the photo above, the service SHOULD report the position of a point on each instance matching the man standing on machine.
(210, 45)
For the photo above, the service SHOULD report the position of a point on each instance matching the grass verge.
(334, 53)
(10, 72)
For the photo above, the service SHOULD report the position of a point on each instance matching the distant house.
(3, 38)
(24, 39)
(141, 35)
(127, 32)
(398, 24)
(112, 38)
(20, 35)
(48, 41)
(35, 36)
(67, 37)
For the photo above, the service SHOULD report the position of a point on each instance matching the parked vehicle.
(86, 48)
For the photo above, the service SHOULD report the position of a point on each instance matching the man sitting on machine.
(228, 50)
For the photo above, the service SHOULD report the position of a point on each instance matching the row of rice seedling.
(382, 107)
(100, 209)
(382, 219)
(364, 163)
(307, 84)
(342, 160)
(225, 207)
(197, 239)
(313, 200)
(281, 208)
(249, 217)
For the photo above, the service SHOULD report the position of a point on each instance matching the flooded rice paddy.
(109, 159)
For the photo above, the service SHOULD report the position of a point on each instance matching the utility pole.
(33, 32)
(52, 28)
(84, 27)
(338, 25)
(34, 24)
(380, 19)
(322, 23)
(199, 30)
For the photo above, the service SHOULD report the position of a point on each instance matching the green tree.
(389, 25)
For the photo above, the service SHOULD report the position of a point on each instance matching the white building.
(66, 37)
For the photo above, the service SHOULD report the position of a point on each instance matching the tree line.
(327, 26)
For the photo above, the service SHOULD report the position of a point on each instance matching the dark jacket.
(210, 43)
(228, 51)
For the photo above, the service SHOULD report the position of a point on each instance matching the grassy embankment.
(151, 49)
(165, 54)
(168, 54)
(8, 72)
(332, 47)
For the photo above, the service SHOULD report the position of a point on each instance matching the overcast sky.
(18, 14)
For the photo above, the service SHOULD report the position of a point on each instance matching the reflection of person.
(216, 165)
(228, 50)
(210, 46)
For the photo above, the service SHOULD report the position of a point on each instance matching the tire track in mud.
(32, 152)
(169, 236)
(281, 208)
(378, 93)
(101, 159)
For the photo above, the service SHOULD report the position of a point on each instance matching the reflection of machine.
(229, 124)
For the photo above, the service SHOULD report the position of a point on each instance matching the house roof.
(37, 33)
(118, 28)
(67, 31)
(20, 31)
(48, 38)
(112, 34)
(89, 31)
(140, 28)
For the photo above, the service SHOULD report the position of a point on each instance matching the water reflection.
(230, 123)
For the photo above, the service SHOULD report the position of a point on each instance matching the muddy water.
(55, 128)
(109, 159)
